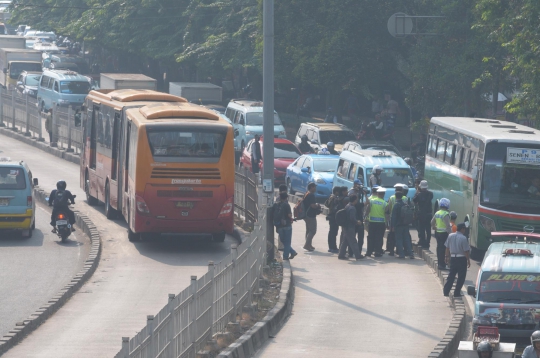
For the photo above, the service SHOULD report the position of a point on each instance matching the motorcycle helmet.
(377, 169)
(330, 145)
(61, 185)
(405, 190)
(304, 138)
(484, 346)
(535, 337)
(444, 203)
(323, 151)
(408, 161)
(453, 215)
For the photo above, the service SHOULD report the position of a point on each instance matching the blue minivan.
(63, 88)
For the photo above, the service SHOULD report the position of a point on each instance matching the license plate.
(184, 204)
(4, 202)
(61, 222)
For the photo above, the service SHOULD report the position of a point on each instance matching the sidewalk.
(382, 307)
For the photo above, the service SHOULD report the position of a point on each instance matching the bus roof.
(130, 97)
(496, 260)
(369, 158)
(488, 129)
(167, 112)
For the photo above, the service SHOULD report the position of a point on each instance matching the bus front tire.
(110, 212)
(219, 237)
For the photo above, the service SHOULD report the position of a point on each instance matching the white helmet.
(377, 167)
(444, 203)
(535, 337)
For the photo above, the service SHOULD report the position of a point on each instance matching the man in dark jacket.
(332, 204)
(400, 230)
(255, 155)
(358, 190)
(304, 145)
(423, 201)
(349, 231)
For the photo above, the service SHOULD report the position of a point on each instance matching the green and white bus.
(490, 171)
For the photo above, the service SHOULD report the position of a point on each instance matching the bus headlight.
(487, 223)
(141, 206)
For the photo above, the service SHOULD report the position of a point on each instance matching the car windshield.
(325, 165)
(74, 87)
(511, 177)
(256, 119)
(12, 178)
(286, 151)
(32, 80)
(17, 68)
(393, 176)
(506, 287)
(338, 137)
(186, 142)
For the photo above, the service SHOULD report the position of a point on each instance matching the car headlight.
(487, 223)
(319, 180)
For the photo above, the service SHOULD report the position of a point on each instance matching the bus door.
(115, 169)
(93, 137)
(126, 147)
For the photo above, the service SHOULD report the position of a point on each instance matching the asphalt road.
(35, 269)
(131, 281)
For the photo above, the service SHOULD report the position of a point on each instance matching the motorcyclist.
(533, 351)
(304, 145)
(323, 151)
(375, 178)
(484, 350)
(331, 150)
(60, 199)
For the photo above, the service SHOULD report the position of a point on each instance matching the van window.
(12, 178)
(343, 169)
(74, 87)
(229, 114)
(302, 131)
(352, 172)
(44, 82)
(56, 87)
(50, 84)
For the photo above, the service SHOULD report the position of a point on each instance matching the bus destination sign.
(523, 156)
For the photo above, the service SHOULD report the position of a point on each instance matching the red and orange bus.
(165, 165)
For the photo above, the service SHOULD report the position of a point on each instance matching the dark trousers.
(424, 230)
(332, 233)
(348, 242)
(391, 242)
(360, 236)
(441, 249)
(375, 237)
(458, 265)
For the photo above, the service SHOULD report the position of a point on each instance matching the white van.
(61, 87)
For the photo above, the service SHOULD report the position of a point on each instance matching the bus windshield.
(505, 287)
(511, 177)
(393, 176)
(186, 142)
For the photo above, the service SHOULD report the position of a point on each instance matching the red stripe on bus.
(507, 215)
(441, 166)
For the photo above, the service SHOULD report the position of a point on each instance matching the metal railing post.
(70, 113)
(13, 111)
(150, 324)
(234, 280)
(125, 347)
(211, 270)
(27, 134)
(2, 124)
(172, 328)
(40, 126)
(54, 131)
(193, 329)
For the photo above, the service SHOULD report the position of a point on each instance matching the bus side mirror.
(471, 291)
(35, 181)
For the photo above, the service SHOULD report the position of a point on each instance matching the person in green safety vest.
(442, 226)
(375, 215)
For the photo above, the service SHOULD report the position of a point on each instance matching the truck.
(197, 92)
(127, 81)
(15, 60)
(12, 41)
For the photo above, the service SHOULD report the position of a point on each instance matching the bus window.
(185, 142)
(450, 151)
(471, 163)
(432, 148)
(458, 156)
(441, 149)
(465, 157)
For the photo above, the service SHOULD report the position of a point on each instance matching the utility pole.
(268, 115)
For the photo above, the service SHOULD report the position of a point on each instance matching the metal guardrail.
(190, 318)
(21, 113)
(245, 195)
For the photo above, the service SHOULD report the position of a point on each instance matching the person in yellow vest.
(375, 215)
(442, 226)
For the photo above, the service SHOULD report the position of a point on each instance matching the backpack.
(60, 199)
(407, 213)
(341, 217)
(332, 203)
(299, 211)
(277, 215)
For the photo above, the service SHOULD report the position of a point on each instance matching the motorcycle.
(62, 225)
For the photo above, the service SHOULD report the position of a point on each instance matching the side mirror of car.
(471, 291)
(304, 170)
(35, 181)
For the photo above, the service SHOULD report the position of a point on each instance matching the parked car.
(319, 134)
(28, 82)
(373, 145)
(319, 169)
(285, 152)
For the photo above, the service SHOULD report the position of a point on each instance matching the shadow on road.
(15, 239)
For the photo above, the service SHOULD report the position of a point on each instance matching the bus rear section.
(184, 176)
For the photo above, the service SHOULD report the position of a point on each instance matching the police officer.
(441, 224)
(375, 178)
(422, 200)
(358, 190)
(331, 150)
(485, 350)
(304, 145)
(533, 351)
(457, 256)
(377, 224)
(390, 239)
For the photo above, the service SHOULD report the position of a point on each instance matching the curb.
(248, 344)
(31, 323)
(449, 344)
(18, 135)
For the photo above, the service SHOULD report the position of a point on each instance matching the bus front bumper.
(185, 227)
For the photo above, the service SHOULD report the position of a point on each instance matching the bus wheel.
(477, 254)
(89, 198)
(219, 237)
(133, 236)
(110, 213)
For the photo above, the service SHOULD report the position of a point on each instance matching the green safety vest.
(376, 212)
(439, 222)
